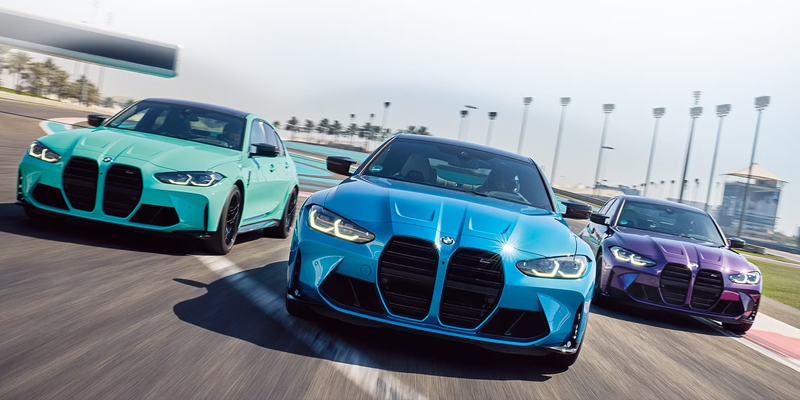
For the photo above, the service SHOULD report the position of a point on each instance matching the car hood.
(373, 200)
(666, 249)
(124, 146)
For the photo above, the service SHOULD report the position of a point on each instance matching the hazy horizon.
(316, 59)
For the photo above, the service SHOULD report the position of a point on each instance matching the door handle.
(272, 168)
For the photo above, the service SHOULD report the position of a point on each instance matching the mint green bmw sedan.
(168, 166)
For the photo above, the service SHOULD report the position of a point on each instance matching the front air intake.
(406, 275)
(472, 287)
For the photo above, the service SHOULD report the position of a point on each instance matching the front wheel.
(739, 329)
(223, 239)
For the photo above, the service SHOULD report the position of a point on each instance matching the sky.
(327, 59)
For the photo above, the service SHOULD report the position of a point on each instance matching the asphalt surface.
(89, 312)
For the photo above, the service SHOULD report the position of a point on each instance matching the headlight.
(571, 267)
(42, 152)
(748, 278)
(631, 257)
(197, 178)
(329, 223)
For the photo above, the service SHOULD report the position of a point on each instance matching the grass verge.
(781, 283)
(7, 90)
(770, 256)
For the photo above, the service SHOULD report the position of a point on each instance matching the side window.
(613, 209)
(273, 138)
(606, 206)
(257, 134)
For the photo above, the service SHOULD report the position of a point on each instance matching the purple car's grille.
(472, 287)
(123, 190)
(708, 288)
(674, 283)
(79, 181)
(406, 275)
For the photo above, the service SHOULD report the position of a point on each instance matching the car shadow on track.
(13, 221)
(616, 309)
(228, 308)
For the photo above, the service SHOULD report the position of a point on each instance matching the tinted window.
(257, 134)
(669, 220)
(463, 169)
(183, 122)
(613, 207)
(606, 206)
(273, 138)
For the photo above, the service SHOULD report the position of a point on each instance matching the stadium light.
(526, 101)
(657, 114)
(762, 103)
(722, 111)
(607, 109)
(492, 116)
(694, 113)
(564, 103)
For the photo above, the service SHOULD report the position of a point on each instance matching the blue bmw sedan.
(450, 239)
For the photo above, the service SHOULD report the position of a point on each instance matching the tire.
(739, 329)
(563, 360)
(298, 310)
(221, 242)
(284, 228)
(597, 297)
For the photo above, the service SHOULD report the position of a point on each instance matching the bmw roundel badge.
(447, 240)
(107, 159)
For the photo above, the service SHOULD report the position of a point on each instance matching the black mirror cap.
(576, 209)
(340, 165)
(265, 150)
(601, 219)
(736, 243)
(96, 119)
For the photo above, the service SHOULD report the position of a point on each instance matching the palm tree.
(351, 131)
(276, 124)
(423, 131)
(291, 126)
(3, 51)
(309, 127)
(335, 130)
(36, 77)
(323, 126)
(17, 64)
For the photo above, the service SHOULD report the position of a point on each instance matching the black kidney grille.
(123, 190)
(708, 288)
(472, 287)
(674, 283)
(79, 181)
(406, 275)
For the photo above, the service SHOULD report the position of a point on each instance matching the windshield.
(463, 169)
(182, 122)
(671, 221)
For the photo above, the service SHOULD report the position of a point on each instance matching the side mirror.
(96, 119)
(576, 209)
(265, 150)
(601, 219)
(736, 243)
(340, 165)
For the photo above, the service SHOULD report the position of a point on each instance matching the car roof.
(205, 106)
(648, 200)
(473, 146)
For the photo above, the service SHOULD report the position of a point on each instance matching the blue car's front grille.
(674, 283)
(123, 190)
(472, 287)
(406, 275)
(708, 288)
(79, 181)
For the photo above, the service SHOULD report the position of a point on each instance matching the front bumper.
(340, 279)
(644, 287)
(160, 207)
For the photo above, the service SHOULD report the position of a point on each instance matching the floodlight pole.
(564, 103)
(492, 116)
(762, 102)
(657, 114)
(527, 102)
(722, 111)
(607, 109)
(694, 113)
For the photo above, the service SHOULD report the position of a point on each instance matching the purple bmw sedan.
(671, 256)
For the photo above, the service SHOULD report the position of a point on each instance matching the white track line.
(754, 346)
(350, 362)
(68, 122)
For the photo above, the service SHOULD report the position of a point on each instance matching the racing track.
(88, 312)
